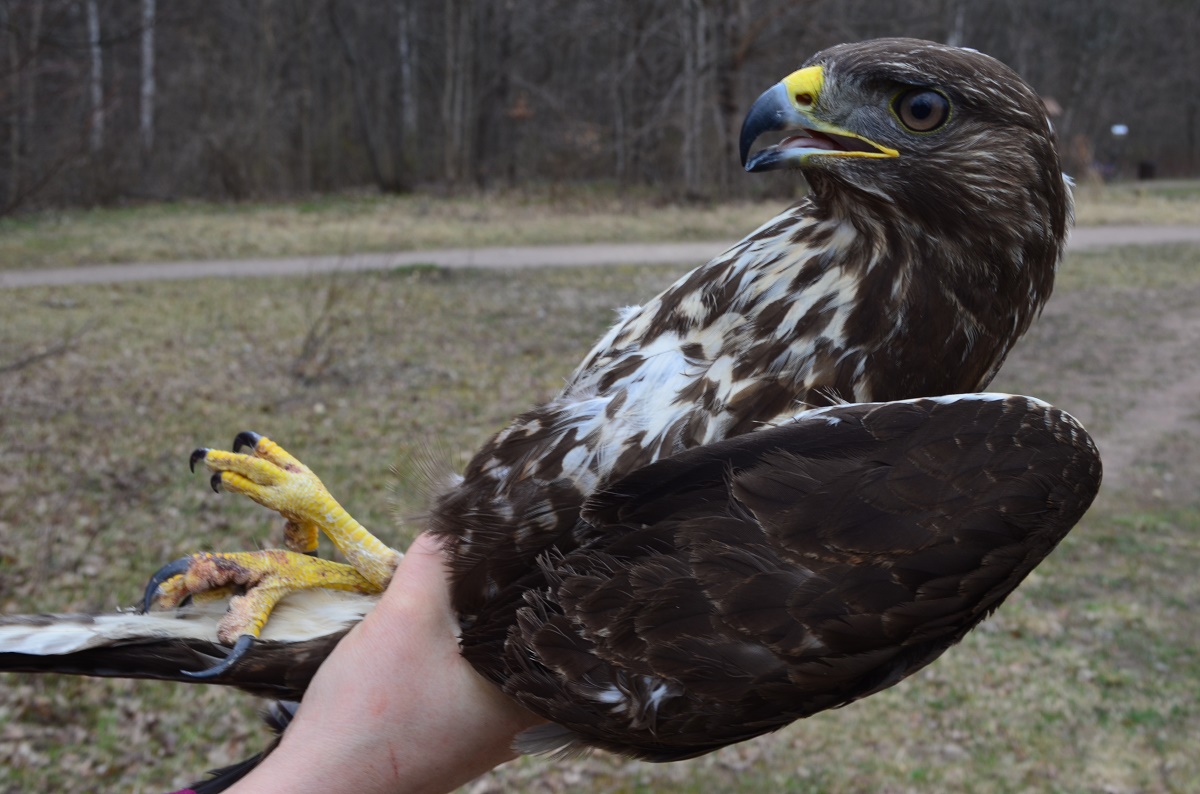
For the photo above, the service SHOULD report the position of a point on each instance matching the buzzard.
(770, 490)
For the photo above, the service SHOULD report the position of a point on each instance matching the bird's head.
(943, 132)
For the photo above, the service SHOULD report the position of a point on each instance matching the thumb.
(421, 580)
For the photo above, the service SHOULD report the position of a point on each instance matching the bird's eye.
(921, 109)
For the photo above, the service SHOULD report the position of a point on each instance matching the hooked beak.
(791, 105)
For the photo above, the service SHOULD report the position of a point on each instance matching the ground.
(1085, 681)
(348, 224)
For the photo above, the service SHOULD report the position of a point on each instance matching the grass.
(1086, 681)
(1162, 202)
(340, 224)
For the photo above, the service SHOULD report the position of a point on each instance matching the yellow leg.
(258, 580)
(275, 479)
(301, 538)
(264, 576)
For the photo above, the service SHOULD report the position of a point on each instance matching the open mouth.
(814, 143)
(807, 136)
(814, 139)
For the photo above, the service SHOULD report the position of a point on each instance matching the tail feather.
(302, 632)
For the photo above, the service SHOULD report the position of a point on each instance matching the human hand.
(395, 707)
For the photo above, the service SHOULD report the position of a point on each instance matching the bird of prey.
(770, 490)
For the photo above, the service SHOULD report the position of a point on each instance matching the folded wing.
(731, 589)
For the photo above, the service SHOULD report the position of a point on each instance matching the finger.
(423, 572)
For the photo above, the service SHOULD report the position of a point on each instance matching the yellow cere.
(804, 91)
(806, 82)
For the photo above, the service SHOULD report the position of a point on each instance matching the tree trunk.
(727, 76)
(147, 108)
(308, 70)
(407, 55)
(261, 170)
(492, 143)
(13, 188)
(385, 176)
(456, 96)
(29, 97)
(958, 23)
(696, 96)
(96, 138)
(1092, 55)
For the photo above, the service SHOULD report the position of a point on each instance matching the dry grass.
(352, 224)
(1142, 203)
(334, 225)
(1086, 681)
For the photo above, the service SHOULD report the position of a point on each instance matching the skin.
(423, 722)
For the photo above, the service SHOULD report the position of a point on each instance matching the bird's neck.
(953, 290)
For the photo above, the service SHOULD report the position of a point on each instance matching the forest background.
(107, 102)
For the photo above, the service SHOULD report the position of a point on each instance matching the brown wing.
(729, 590)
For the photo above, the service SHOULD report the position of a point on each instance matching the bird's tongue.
(810, 140)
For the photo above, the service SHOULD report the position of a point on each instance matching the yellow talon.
(275, 479)
(256, 581)
(261, 577)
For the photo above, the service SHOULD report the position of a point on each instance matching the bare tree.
(457, 88)
(407, 54)
(13, 187)
(97, 81)
(148, 86)
(958, 22)
(695, 91)
(248, 102)
(25, 75)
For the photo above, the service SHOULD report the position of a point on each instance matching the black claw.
(246, 438)
(197, 454)
(240, 648)
(215, 482)
(164, 573)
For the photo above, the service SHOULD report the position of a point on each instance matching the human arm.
(395, 708)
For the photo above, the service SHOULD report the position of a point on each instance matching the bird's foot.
(271, 476)
(256, 580)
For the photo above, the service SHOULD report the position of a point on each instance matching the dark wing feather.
(270, 669)
(731, 589)
(160, 645)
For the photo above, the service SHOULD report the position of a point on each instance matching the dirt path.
(1167, 411)
(1142, 361)
(1124, 361)
(522, 256)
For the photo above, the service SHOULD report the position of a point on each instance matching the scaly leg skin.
(274, 479)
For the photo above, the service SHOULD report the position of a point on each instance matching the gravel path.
(514, 257)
